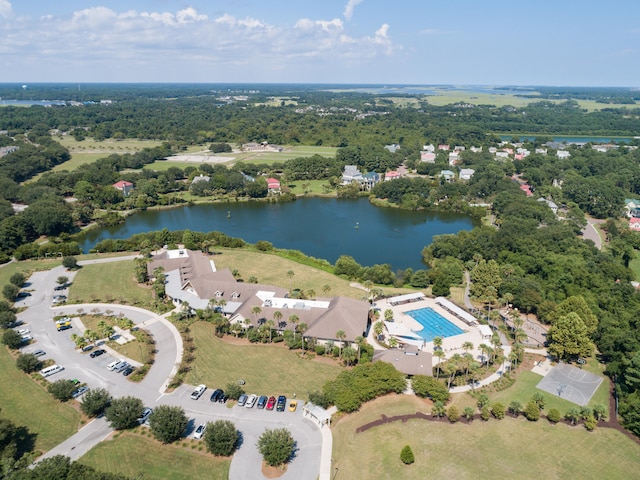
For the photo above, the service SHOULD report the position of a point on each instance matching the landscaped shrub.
(320, 349)
(532, 411)
(425, 386)
(498, 410)
(406, 455)
(453, 414)
(590, 423)
(554, 415)
(438, 410)
(485, 413)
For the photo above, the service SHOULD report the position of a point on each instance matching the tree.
(600, 412)
(276, 446)
(453, 414)
(234, 390)
(12, 339)
(95, 401)
(168, 423)
(378, 328)
(425, 386)
(290, 274)
(349, 354)
(10, 291)
(498, 410)
(406, 455)
(221, 437)
(440, 354)
(554, 415)
(62, 280)
(467, 413)
(28, 362)
(62, 389)
(569, 337)
(532, 411)
(515, 408)
(438, 410)
(70, 263)
(123, 413)
(485, 413)
(340, 335)
(573, 414)
(17, 279)
(483, 400)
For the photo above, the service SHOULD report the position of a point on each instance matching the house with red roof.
(392, 175)
(273, 185)
(526, 189)
(125, 187)
(634, 224)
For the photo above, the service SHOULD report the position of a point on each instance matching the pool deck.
(450, 345)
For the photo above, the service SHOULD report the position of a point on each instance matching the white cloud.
(108, 45)
(349, 7)
(5, 8)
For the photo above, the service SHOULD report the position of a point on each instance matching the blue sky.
(462, 42)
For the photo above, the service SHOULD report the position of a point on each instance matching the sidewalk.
(327, 449)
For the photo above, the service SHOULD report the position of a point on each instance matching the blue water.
(435, 325)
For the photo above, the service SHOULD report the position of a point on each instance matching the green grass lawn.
(525, 387)
(109, 282)
(511, 448)
(634, 265)
(267, 369)
(26, 403)
(141, 457)
(272, 270)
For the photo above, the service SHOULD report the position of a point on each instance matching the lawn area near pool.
(271, 269)
(26, 403)
(509, 448)
(109, 282)
(138, 456)
(267, 369)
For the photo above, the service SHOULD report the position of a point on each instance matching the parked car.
(97, 353)
(63, 326)
(199, 431)
(281, 403)
(80, 391)
(60, 287)
(87, 348)
(128, 371)
(58, 299)
(217, 395)
(197, 393)
(262, 401)
(251, 401)
(242, 400)
(24, 331)
(114, 364)
(224, 398)
(22, 295)
(293, 404)
(146, 413)
(26, 338)
(120, 367)
(39, 353)
(271, 403)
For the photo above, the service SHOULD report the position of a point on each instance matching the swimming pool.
(434, 324)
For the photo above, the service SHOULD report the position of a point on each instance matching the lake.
(319, 227)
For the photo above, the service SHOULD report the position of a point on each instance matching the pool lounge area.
(433, 324)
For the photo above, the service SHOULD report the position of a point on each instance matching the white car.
(24, 331)
(199, 431)
(197, 393)
(251, 401)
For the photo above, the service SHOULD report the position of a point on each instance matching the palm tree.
(349, 355)
(467, 346)
(359, 342)
(256, 311)
(91, 336)
(302, 327)
(393, 342)
(437, 343)
(326, 289)
(290, 274)
(294, 319)
(378, 328)
(340, 335)
(311, 293)
(484, 349)
(440, 355)
(468, 413)
(270, 324)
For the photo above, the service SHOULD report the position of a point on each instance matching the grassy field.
(634, 265)
(267, 369)
(110, 282)
(26, 403)
(272, 270)
(511, 448)
(26, 267)
(141, 457)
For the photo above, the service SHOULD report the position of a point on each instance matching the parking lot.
(92, 371)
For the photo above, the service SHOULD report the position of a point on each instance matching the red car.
(271, 403)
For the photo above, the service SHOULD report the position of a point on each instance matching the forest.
(525, 253)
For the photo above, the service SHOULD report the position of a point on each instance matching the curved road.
(251, 423)
(590, 232)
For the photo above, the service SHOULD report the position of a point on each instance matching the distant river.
(319, 227)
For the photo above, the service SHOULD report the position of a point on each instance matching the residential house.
(552, 206)
(370, 180)
(8, 149)
(273, 185)
(476, 149)
(392, 175)
(448, 175)
(632, 207)
(454, 158)
(428, 148)
(393, 148)
(466, 173)
(526, 189)
(502, 154)
(429, 157)
(541, 151)
(634, 224)
(562, 154)
(125, 187)
(351, 174)
(200, 178)
(443, 147)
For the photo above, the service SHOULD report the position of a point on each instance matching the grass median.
(267, 369)
(137, 456)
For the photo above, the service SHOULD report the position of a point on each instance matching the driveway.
(247, 461)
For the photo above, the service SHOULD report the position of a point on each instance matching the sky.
(426, 42)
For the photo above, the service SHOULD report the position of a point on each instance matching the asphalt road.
(251, 423)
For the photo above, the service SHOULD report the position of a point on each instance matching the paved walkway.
(590, 232)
